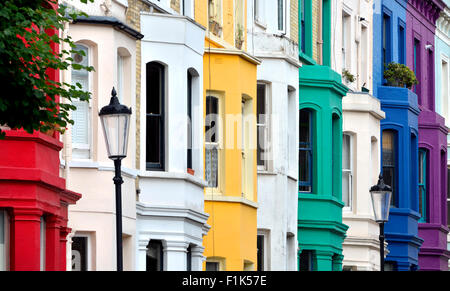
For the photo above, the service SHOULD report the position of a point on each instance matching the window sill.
(231, 199)
(260, 24)
(306, 59)
(172, 175)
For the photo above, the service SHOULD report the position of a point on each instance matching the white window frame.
(259, 12)
(350, 190)
(267, 247)
(120, 75)
(266, 125)
(346, 39)
(85, 147)
(221, 17)
(282, 31)
(218, 144)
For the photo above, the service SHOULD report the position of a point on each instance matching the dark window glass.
(390, 163)
(305, 151)
(416, 63)
(261, 123)
(189, 116)
(189, 259)
(280, 14)
(155, 117)
(306, 261)
(212, 266)
(401, 44)
(423, 189)
(260, 254)
(79, 253)
(303, 30)
(155, 256)
(386, 41)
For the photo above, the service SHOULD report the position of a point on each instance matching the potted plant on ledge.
(399, 75)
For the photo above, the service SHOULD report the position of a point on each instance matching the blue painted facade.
(402, 111)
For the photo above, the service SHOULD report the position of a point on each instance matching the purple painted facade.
(421, 16)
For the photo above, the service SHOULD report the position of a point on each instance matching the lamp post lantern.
(381, 201)
(115, 119)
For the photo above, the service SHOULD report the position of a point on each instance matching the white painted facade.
(352, 47)
(86, 166)
(442, 74)
(170, 206)
(277, 178)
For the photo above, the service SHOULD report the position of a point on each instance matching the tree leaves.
(30, 96)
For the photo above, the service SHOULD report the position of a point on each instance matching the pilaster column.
(175, 256)
(141, 254)
(25, 239)
(197, 258)
(324, 261)
(337, 262)
(64, 231)
(52, 243)
(68, 253)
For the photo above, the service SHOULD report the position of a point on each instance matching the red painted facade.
(31, 189)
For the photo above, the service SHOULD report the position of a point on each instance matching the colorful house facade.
(229, 89)
(399, 136)
(320, 228)
(34, 199)
(421, 21)
(361, 132)
(273, 39)
(442, 80)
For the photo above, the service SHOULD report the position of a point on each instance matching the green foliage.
(399, 75)
(28, 97)
(348, 76)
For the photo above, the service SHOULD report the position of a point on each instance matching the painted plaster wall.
(362, 115)
(171, 205)
(94, 215)
(277, 185)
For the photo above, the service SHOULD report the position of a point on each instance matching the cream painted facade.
(352, 47)
(85, 164)
(272, 38)
(170, 206)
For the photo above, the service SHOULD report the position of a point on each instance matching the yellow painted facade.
(230, 75)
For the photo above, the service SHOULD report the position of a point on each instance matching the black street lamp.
(381, 201)
(115, 119)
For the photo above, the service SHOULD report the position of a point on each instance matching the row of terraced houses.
(258, 128)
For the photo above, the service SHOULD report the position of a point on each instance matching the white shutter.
(80, 116)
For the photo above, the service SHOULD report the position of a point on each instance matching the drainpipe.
(66, 136)
(320, 34)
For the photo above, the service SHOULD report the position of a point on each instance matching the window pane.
(346, 152)
(153, 143)
(211, 166)
(79, 254)
(154, 88)
(211, 122)
(388, 148)
(304, 128)
(155, 256)
(42, 244)
(260, 246)
(212, 266)
(280, 14)
(346, 190)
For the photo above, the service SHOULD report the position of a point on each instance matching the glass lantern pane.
(115, 128)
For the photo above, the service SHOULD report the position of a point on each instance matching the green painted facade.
(320, 228)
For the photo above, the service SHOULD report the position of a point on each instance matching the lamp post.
(381, 201)
(115, 119)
